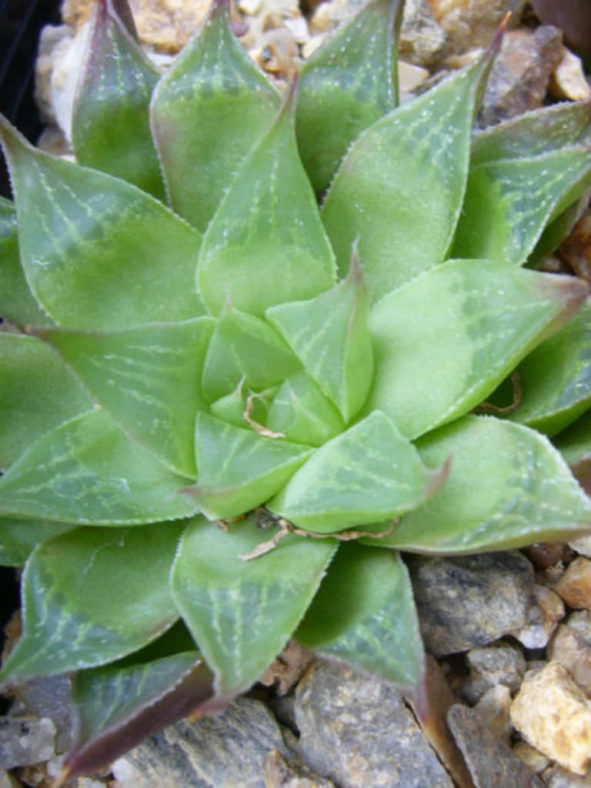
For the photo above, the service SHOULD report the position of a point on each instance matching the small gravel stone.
(493, 709)
(491, 762)
(490, 666)
(572, 652)
(281, 773)
(356, 730)
(552, 713)
(556, 777)
(532, 758)
(25, 740)
(422, 40)
(49, 696)
(521, 73)
(575, 584)
(568, 80)
(543, 617)
(222, 751)
(582, 545)
(472, 600)
(473, 23)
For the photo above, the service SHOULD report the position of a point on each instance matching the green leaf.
(445, 341)
(37, 393)
(529, 494)
(117, 707)
(574, 445)
(239, 469)
(266, 244)
(93, 595)
(97, 252)
(352, 76)
(534, 133)
(330, 336)
(16, 302)
(368, 474)
(364, 615)
(406, 172)
(148, 379)
(557, 231)
(241, 613)
(555, 379)
(208, 111)
(18, 538)
(244, 348)
(302, 413)
(110, 121)
(88, 471)
(510, 202)
(244, 407)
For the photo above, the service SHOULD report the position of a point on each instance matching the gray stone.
(223, 751)
(49, 697)
(490, 666)
(472, 600)
(490, 761)
(521, 72)
(282, 773)
(422, 40)
(356, 730)
(24, 741)
(557, 777)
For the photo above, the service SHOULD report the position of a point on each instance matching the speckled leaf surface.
(18, 538)
(241, 613)
(110, 119)
(509, 202)
(16, 302)
(302, 413)
(555, 379)
(37, 393)
(239, 469)
(139, 258)
(266, 243)
(364, 615)
(208, 111)
(353, 76)
(411, 164)
(462, 326)
(86, 600)
(246, 349)
(367, 474)
(148, 379)
(88, 471)
(534, 133)
(330, 336)
(529, 492)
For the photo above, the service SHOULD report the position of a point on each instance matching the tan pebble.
(582, 545)
(568, 80)
(531, 757)
(410, 76)
(575, 584)
(470, 23)
(553, 715)
(569, 648)
(249, 6)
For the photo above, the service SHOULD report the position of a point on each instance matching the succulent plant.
(225, 409)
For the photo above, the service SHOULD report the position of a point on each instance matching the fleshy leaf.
(244, 348)
(509, 202)
(574, 445)
(238, 469)
(529, 493)
(557, 231)
(208, 111)
(116, 707)
(302, 413)
(266, 243)
(111, 122)
(37, 393)
(242, 407)
(93, 595)
(534, 133)
(368, 474)
(139, 258)
(18, 538)
(445, 341)
(555, 379)
(241, 613)
(330, 336)
(407, 168)
(364, 615)
(148, 379)
(16, 302)
(351, 76)
(88, 471)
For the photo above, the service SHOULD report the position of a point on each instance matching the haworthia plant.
(225, 409)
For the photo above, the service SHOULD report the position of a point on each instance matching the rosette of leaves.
(247, 334)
